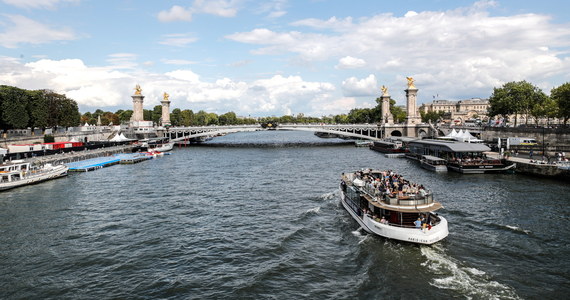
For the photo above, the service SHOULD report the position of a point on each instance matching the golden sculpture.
(384, 91)
(165, 96)
(138, 90)
(411, 83)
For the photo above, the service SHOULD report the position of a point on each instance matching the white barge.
(385, 204)
(22, 173)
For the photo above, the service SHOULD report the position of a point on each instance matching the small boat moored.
(433, 163)
(386, 204)
(23, 173)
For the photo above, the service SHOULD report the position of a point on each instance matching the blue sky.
(280, 57)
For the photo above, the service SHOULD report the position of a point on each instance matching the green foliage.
(13, 107)
(561, 96)
(398, 113)
(432, 116)
(516, 98)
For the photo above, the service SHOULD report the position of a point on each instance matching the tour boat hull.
(413, 235)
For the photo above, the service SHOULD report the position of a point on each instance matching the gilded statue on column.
(411, 83)
(384, 91)
(138, 90)
(165, 96)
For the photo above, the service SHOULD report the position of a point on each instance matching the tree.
(228, 118)
(38, 114)
(13, 107)
(398, 113)
(515, 98)
(432, 116)
(176, 117)
(124, 115)
(561, 96)
(68, 113)
(187, 118)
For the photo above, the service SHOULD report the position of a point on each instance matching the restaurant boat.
(385, 204)
(23, 173)
(468, 158)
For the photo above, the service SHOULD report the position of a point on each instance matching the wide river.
(258, 217)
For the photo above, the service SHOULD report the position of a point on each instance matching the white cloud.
(354, 87)
(178, 39)
(110, 88)
(465, 51)
(216, 7)
(27, 31)
(36, 3)
(349, 62)
(175, 13)
(219, 8)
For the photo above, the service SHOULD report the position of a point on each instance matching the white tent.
(120, 138)
(453, 133)
(466, 136)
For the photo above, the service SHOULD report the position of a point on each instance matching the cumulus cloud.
(220, 8)
(23, 30)
(110, 87)
(175, 13)
(349, 62)
(354, 87)
(465, 51)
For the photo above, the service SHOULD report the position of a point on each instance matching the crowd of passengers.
(390, 184)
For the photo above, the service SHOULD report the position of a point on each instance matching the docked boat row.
(386, 204)
(442, 155)
(19, 173)
(467, 158)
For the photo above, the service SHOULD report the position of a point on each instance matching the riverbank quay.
(538, 168)
(69, 157)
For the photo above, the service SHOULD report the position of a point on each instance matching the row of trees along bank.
(21, 108)
(523, 98)
(187, 117)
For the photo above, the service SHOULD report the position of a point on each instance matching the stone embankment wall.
(550, 136)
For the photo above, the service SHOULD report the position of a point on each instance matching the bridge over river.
(357, 131)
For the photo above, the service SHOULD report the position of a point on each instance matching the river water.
(258, 217)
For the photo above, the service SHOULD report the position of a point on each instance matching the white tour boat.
(22, 173)
(373, 198)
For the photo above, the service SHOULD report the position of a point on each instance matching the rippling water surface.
(262, 220)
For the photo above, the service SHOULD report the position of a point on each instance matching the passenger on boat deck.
(384, 221)
(418, 223)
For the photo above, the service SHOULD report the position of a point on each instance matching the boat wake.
(329, 196)
(315, 210)
(467, 281)
(517, 229)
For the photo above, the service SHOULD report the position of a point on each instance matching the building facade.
(461, 110)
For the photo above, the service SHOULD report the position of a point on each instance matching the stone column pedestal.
(387, 117)
(138, 114)
(165, 112)
(412, 111)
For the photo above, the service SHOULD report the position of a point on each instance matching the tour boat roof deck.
(450, 146)
(405, 208)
